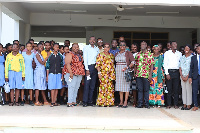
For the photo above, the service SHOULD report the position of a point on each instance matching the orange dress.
(106, 89)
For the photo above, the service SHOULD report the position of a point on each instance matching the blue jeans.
(73, 87)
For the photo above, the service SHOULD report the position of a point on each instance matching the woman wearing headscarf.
(156, 96)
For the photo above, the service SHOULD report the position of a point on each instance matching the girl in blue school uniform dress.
(54, 78)
(40, 75)
(14, 73)
(28, 60)
(2, 60)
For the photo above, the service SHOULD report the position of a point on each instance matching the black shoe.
(139, 106)
(148, 107)
(22, 103)
(91, 104)
(84, 105)
(183, 108)
(125, 106)
(31, 103)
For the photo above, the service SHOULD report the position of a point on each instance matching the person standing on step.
(90, 53)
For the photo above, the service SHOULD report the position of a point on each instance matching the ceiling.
(109, 9)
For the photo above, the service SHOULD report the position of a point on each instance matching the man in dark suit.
(194, 77)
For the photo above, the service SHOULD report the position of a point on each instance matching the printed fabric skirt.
(15, 80)
(54, 81)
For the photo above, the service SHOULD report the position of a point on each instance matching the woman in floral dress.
(156, 96)
(106, 74)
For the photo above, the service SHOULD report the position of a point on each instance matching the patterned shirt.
(143, 62)
(14, 63)
(185, 65)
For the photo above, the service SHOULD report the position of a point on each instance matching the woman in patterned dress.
(156, 96)
(124, 60)
(106, 74)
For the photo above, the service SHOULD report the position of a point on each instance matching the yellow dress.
(106, 89)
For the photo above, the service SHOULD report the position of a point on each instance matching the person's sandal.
(52, 104)
(69, 105)
(56, 104)
(125, 106)
(17, 103)
(47, 103)
(38, 104)
(75, 104)
(11, 104)
(119, 106)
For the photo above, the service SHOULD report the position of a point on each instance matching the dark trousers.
(143, 88)
(173, 86)
(195, 88)
(89, 85)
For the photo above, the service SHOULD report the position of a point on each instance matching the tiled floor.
(76, 119)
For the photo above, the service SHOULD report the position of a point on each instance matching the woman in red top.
(73, 72)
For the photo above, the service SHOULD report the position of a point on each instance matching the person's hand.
(71, 75)
(47, 79)
(190, 80)
(150, 78)
(48, 54)
(168, 77)
(62, 78)
(87, 72)
(124, 69)
(23, 78)
(186, 78)
(6, 79)
(100, 76)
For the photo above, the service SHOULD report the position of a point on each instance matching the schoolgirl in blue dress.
(14, 72)
(28, 83)
(40, 75)
(2, 60)
(54, 67)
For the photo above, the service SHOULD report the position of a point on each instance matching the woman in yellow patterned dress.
(106, 74)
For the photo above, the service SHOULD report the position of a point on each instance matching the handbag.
(129, 75)
(6, 87)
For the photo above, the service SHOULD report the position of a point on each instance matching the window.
(137, 37)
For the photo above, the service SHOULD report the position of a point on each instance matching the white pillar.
(27, 32)
(16, 30)
(0, 21)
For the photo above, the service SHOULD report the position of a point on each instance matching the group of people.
(102, 69)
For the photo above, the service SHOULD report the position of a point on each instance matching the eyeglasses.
(122, 45)
(100, 41)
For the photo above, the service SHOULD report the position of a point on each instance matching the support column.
(27, 32)
(16, 30)
(0, 21)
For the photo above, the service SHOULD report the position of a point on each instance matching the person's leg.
(184, 88)
(16, 95)
(62, 91)
(189, 94)
(126, 98)
(55, 95)
(78, 82)
(176, 92)
(71, 87)
(146, 85)
(22, 97)
(12, 95)
(31, 94)
(140, 91)
(44, 95)
(36, 96)
(85, 91)
(169, 94)
(52, 96)
(195, 87)
(93, 75)
(121, 95)
(134, 97)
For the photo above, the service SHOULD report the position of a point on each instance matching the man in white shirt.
(171, 65)
(90, 53)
